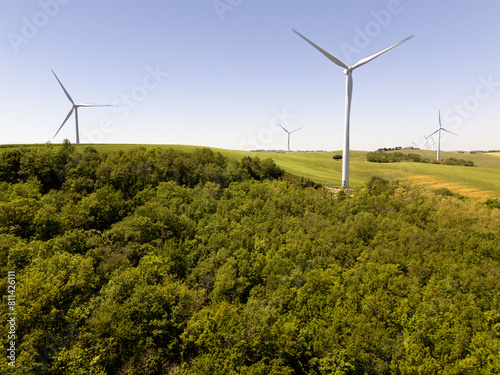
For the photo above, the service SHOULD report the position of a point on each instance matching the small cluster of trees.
(162, 262)
(337, 157)
(390, 148)
(395, 157)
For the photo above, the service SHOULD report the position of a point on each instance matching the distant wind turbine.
(427, 142)
(75, 108)
(348, 72)
(293, 131)
(439, 135)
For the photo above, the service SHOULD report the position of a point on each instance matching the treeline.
(395, 157)
(163, 262)
(128, 172)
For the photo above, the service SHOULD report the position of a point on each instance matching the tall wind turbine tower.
(439, 135)
(288, 135)
(348, 72)
(75, 108)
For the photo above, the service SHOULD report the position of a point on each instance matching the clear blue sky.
(219, 73)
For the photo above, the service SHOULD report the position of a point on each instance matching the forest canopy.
(157, 261)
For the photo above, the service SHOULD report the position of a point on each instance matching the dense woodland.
(156, 261)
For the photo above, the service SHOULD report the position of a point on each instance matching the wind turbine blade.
(440, 119)
(64, 122)
(449, 131)
(327, 54)
(283, 128)
(94, 105)
(435, 132)
(67, 94)
(296, 130)
(371, 57)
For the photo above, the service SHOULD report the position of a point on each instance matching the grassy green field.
(479, 183)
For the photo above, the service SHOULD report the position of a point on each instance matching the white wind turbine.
(289, 135)
(75, 108)
(348, 72)
(427, 142)
(439, 135)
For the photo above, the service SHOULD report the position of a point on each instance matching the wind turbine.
(348, 72)
(427, 142)
(439, 135)
(289, 135)
(75, 108)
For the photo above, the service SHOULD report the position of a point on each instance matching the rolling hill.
(478, 183)
(161, 261)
